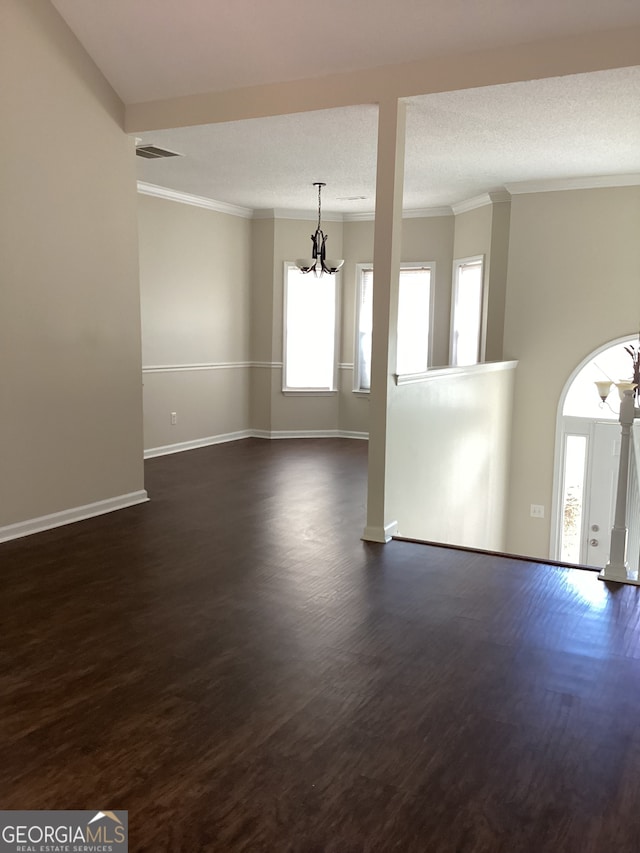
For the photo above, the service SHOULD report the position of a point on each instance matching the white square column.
(386, 273)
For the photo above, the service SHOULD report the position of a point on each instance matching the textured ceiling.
(459, 144)
(152, 49)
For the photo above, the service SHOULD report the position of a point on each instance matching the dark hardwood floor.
(236, 668)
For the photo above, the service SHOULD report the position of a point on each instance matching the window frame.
(310, 391)
(404, 265)
(458, 263)
(357, 389)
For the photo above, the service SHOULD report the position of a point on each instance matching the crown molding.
(195, 200)
(494, 197)
(582, 183)
(366, 216)
(306, 215)
(417, 213)
(427, 212)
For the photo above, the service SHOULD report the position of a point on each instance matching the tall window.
(414, 322)
(466, 316)
(575, 455)
(414, 319)
(309, 331)
(364, 330)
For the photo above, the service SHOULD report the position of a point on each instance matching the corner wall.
(574, 268)
(71, 431)
(195, 297)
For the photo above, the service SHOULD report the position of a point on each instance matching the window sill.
(308, 392)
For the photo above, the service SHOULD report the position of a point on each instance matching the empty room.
(316, 533)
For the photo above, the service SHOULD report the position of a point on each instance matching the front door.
(602, 479)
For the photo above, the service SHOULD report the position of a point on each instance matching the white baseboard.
(380, 534)
(198, 442)
(252, 433)
(68, 516)
(348, 433)
(80, 513)
(308, 433)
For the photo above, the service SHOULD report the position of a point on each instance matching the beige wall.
(261, 326)
(209, 404)
(449, 455)
(71, 430)
(485, 231)
(495, 297)
(195, 298)
(574, 268)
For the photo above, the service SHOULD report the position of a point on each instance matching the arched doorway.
(586, 458)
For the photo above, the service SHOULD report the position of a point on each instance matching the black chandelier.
(319, 263)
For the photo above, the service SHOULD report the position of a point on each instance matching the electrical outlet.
(537, 511)
(174, 418)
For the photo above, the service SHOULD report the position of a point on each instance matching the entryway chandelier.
(319, 263)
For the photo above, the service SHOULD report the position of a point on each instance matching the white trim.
(69, 516)
(365, 216)
(220, 365)
(409, 378)
(309, 433)
(304, 215)
(493, 197)
(360, 270)
(415, 213)
(181, 446)
(309, 392)
(345, 365)
(465, 370)
(427, 212)
(194, 200)
(480, 201)
(581, 183)
(380, 534)
(177, 368)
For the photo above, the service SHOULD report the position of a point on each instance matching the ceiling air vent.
(152, 152)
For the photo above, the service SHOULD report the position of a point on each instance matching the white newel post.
(617, 567)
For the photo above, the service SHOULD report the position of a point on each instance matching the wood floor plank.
(234, 666)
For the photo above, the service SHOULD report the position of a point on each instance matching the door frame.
(559, 452)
